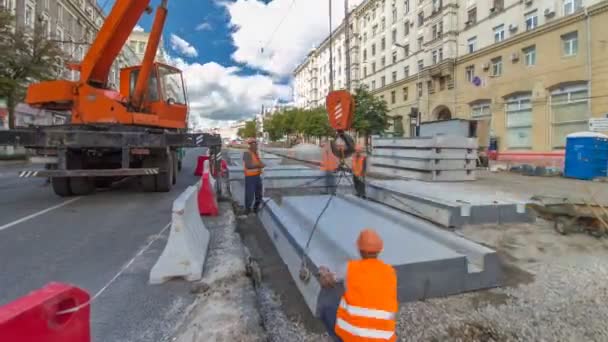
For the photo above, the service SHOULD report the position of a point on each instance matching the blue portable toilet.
(586, 155)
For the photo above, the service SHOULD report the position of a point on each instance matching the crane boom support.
(139, 94)
(112, 37)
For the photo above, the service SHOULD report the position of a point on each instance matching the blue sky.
(238, 55)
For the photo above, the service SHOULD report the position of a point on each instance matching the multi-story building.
(531, 71)
(72, 23)
(138, 41)
(312, 78)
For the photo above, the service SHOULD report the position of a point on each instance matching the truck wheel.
(61, 186)
(148, 183)
(179, 165)
(103, 182)
(164, 179)
(175, 167)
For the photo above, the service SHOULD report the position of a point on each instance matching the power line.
(276, 29)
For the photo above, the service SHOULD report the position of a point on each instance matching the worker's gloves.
(326, 277)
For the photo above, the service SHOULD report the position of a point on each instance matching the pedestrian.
(253, 177)
(359, 168)
(366, 311)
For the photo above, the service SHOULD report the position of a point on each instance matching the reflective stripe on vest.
(364, 332)
(364, 312)
(252, 172)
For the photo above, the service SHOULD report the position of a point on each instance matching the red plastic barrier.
(207, 204)
(224, 167)
(34, 318)
(199, 165)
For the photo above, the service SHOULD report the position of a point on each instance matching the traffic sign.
(598, 125)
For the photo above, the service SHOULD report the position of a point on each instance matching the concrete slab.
(450, 204)
(427, 176)
(443, 141)
(429, 261)
(430, 153)
(425, 164)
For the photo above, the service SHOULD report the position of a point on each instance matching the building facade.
(138, 41)
(529, 71)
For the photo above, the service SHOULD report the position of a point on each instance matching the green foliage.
(370, 113)
(249, 131)
(298, 122)
(27, 56)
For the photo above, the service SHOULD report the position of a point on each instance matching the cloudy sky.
(239, 55)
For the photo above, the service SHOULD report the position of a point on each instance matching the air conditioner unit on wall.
(512, 27)
(549, 12)
(528, 2)
(514, 57)
(485, 66)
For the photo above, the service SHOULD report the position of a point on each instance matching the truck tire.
(80, 186)
(179, 165)
(164, 179)
(174, 162)
(61, 186)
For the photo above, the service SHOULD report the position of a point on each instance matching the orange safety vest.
(253, 172)
(368, 307)
(329, 162)
(358, 165)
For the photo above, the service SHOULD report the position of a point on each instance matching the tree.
(249, 131)
(370, 114)
(316, 123)
(27, 56)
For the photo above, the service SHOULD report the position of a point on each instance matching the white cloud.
(183, 47)
(204, 27)
(138, 29)
(218, 93)
(303, 26)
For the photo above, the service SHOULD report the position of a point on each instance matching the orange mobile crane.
(134, 131)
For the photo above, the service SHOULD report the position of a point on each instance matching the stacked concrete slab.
(235, 157)
(429, 261)
(450, 204)
(438, 158)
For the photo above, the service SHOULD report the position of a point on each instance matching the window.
(405, 93)
(498, 5)
(406, 6)
(406, 28)
(374, 30)
(406, 72)
(47, 4)
(420, 65)
(471, 16)
(364, 71)
(472, 44)
(383, 61)
(382, 81)
(393, 97)
(406, 50)
(530, 55)
(441, 83)
(497, 66)
(374, 67)
(383, 44)
(499, 33)
(470, 73)
(59, 14)
(570, 43)
(437, 4)
(373, 85)
(394, 36)
(419, 89)
(394, 14)
(571, 6)
(440, 54)
(383, 27)
(365, 37)
(435, 56)
(531, 20)
(373, 49)
(430, 87)
(569, 112)
(29, 15)
(420, 19)
(519, 121)
(394, 75)
(394, 57)
(364, 55)
(420, 43)
(480, 110)
(141, 47)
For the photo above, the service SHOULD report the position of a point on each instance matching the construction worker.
(366, 311)
(253, 180)
(359, 168)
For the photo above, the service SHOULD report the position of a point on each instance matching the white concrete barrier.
(186, 249)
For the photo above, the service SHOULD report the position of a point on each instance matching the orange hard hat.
(358, 148)
(369, 241)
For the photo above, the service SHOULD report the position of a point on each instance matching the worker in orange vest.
(359, 168)
(366, 311)
(253, 177)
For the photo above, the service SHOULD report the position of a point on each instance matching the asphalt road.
(86, 241)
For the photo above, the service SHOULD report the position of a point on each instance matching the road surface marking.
(29, 217)
(121, 271)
